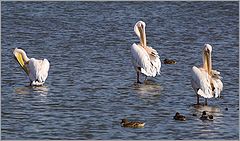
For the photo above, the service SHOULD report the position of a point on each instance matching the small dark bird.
(210, 117)
(168, 61)
(132, 124)
(179, 117)
(194, 114)
(205, 116)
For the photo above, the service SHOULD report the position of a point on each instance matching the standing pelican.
(205, 81)
(37, 70)
(145, 59)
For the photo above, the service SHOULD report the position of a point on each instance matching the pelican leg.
(205, 101)
(197, 99)
(138, 73)
(145, 78)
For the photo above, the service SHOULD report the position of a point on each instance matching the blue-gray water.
(91, 87)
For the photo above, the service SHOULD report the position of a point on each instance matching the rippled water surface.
(91, 86)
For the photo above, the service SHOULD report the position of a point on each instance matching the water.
(91, 86)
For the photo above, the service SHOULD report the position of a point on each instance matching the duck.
(205, 116)
(179, 117)
(194, 114)
(132, 124)
(169, 61)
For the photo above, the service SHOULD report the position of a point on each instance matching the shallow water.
(91, 86)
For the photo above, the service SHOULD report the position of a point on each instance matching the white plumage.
(145, 59)
(37, 70)
(205, 81)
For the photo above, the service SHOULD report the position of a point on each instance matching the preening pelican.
(37, 70)
(145, 59)
(205, 81)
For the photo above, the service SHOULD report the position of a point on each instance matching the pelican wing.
(38, 71)
(201, 82)
(216, 74)
(140, 58)
(18, 56)
(155, 60)
(218, 86)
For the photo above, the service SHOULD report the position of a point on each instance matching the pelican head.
(207, 48)
(21, 58)
(139, 29)
(207, 62)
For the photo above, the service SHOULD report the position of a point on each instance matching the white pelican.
(37, 70)
(145, 59)
(205, 81)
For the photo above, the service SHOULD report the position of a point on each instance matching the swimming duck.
(205, 116)
(168, 61)
(179, 117)
(132, 124)
(194, 114)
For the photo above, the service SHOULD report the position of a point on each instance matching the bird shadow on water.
(148, 88)
(40, 90)
(199, 108)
